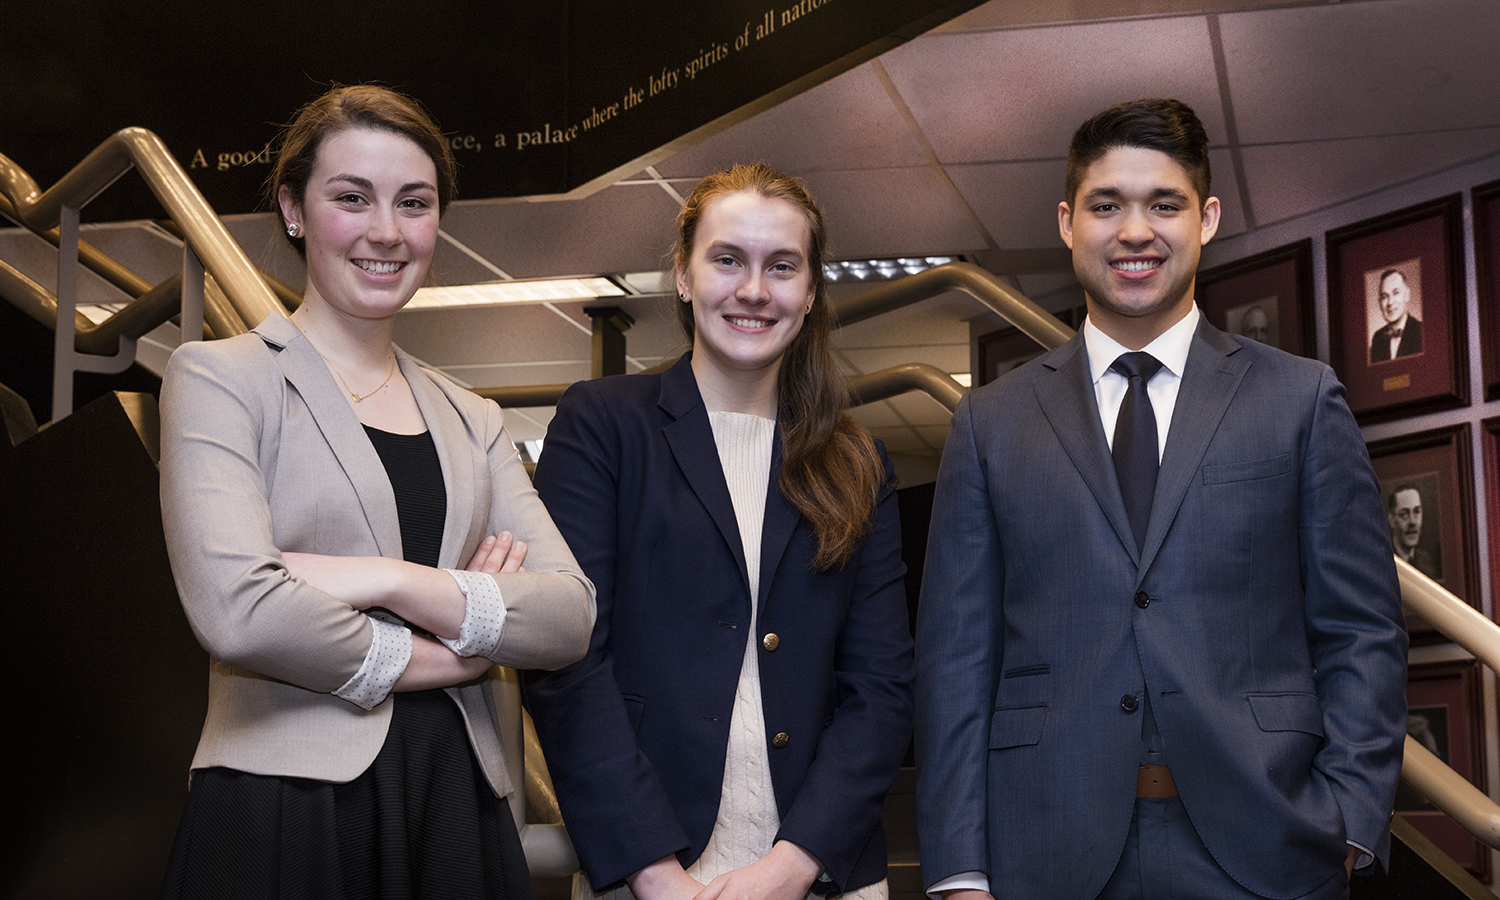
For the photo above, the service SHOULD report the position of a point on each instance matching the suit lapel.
(692, 441)
(1067, 399)
(468, 506)
(306, 372)
(1209, 382)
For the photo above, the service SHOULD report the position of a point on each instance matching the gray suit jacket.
(1263, 616)
(261, 454)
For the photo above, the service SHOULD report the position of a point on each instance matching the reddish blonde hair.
(830, 470)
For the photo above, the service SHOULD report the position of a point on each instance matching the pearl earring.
(293, 229)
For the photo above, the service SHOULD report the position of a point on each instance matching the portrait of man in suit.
(1256, 321)
(1160, 649)
(1404, 513)
(1401, 333)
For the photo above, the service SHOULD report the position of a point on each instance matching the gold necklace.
(355, 397)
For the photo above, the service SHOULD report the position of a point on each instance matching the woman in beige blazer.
(316, 483)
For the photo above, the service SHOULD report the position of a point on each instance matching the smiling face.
(369, 215)
(749, 281)
(1136, 228)
(1394, 296)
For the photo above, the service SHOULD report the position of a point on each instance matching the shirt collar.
(1170, 347)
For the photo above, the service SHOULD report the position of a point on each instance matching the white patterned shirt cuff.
(390, 651)
(484, 614)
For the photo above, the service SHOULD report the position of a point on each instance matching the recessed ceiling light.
(847, 270)
(539, 290)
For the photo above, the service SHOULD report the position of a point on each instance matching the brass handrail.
(1429, 776)
(1009, 303)
(897, 380)
(41, 211)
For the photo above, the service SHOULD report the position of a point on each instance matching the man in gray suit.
(1159, 647)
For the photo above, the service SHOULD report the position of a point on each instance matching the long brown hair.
(355, 106)
(831, 470)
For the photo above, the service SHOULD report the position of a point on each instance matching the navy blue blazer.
(635, 734)
(1263, 616)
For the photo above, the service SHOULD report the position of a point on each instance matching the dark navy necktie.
(1135, 445)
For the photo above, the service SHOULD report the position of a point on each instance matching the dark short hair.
(1390, 500)
(1167, 125)
(1380, 282)
(355, 106)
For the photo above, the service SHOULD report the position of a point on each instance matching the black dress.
(420, 822)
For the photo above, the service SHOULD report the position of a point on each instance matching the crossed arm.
(423, 596)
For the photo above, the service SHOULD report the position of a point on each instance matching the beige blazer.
(262, 454)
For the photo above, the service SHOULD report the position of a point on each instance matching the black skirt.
(421, 822)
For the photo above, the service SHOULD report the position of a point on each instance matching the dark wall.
(107, 688)
(539, 96)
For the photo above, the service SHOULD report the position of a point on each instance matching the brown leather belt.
(1155, 783)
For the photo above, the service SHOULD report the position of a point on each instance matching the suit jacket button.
(1129, 703)
(770, 642)
(780, 740)
(1142, 599)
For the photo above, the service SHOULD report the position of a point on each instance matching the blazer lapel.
(305, 370)
(692, 441)
(468, 506)
(776, 533)
(1209, 382)
(1067, 399)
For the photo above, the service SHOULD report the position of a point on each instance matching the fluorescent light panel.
(847, 270)
(492, 293)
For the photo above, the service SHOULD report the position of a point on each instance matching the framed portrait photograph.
(1006, 348)
(1487, 269)
(1397, 326)
(1266, 297)
(1490, 446)
(1444, 714)
(1425, 486)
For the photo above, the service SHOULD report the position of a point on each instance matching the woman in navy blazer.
(746, 699)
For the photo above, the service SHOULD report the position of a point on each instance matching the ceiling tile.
(902, 440)
(619, 229)
(516, 375)
(1359, 69)
(1017, 202)
(892, 212)
(1018, 95)
(494, 334)
(1226, 187)
(847, 123)
(937, 320)
(1288, 180)
(919, 409)
(1021, 13)
(877, 415)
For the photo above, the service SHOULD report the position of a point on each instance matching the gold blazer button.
(780, 740)
(771, 642)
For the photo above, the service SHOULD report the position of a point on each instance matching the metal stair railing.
(208, 249)
(1426, 773)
